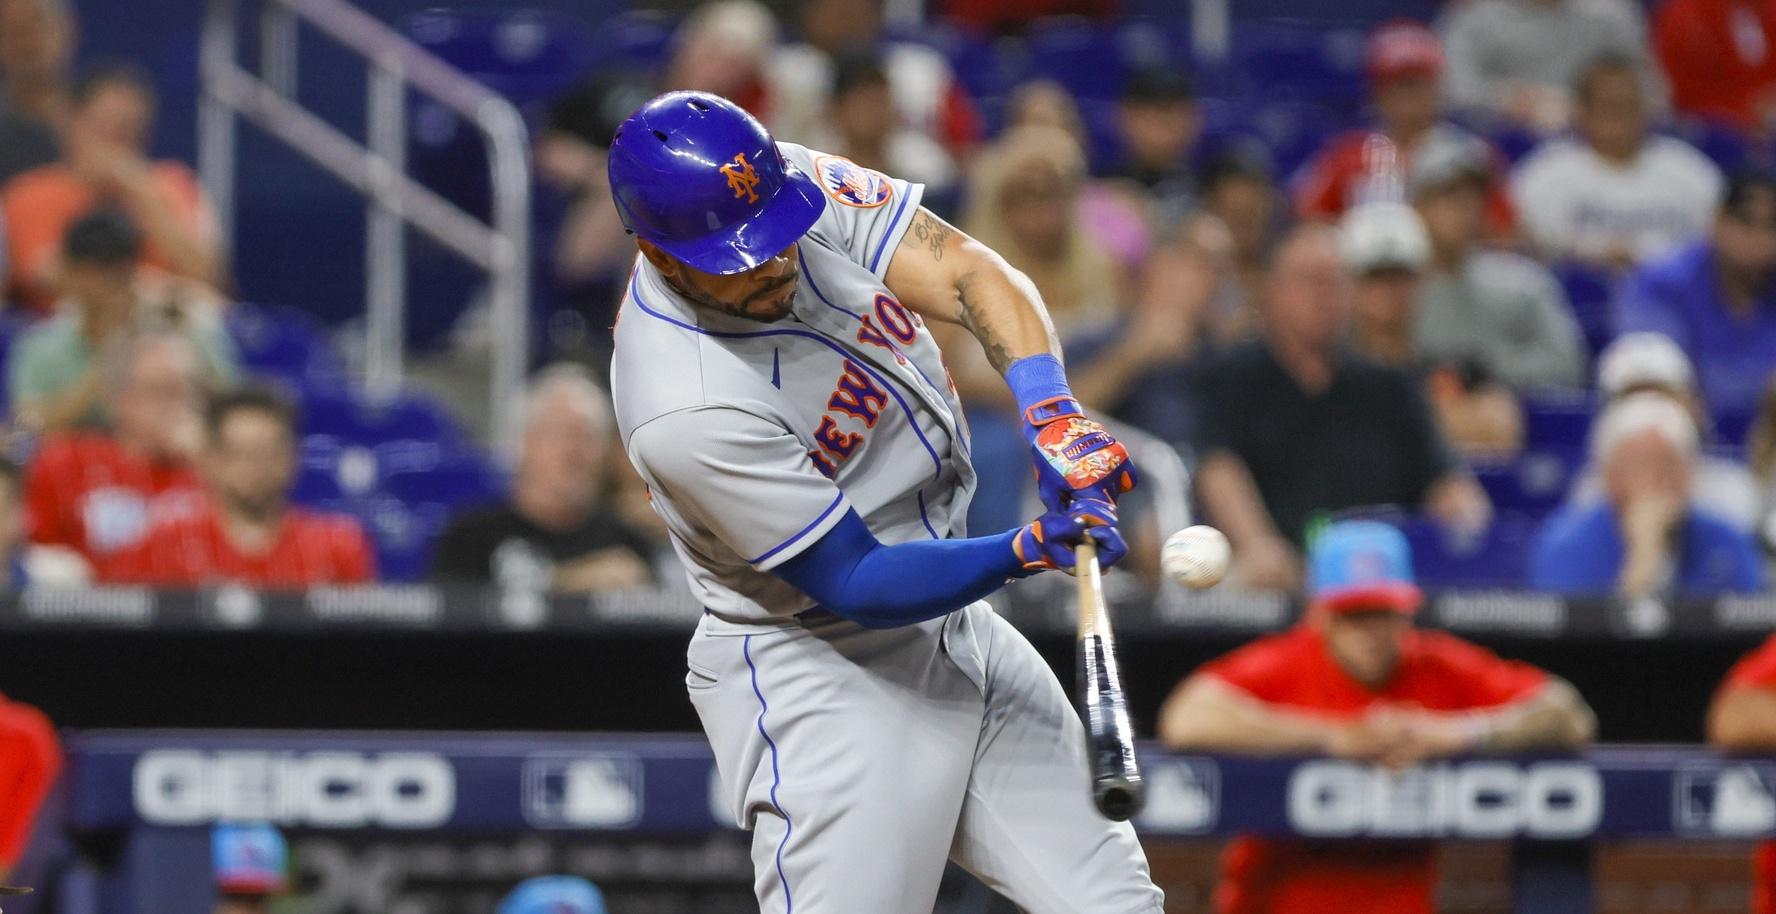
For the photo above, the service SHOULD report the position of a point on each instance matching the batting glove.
(1076, 458)
(1048, 541)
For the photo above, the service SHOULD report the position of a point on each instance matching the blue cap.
(249, 859)
(554, 895)
(1361, 565)
(696, 175)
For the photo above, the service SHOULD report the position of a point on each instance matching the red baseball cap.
(1403, 48)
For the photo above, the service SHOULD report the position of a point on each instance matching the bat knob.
(1119, 798)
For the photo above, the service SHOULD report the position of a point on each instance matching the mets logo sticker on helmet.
(851, 183)
(743, 179)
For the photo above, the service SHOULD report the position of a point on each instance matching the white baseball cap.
(1642, 412)
(1383, 235)
(1643, 359)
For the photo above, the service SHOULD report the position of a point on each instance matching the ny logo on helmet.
(742, 179)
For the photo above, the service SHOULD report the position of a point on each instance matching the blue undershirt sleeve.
(854, 575)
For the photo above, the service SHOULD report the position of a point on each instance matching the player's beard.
(765, 304)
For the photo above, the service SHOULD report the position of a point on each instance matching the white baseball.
(1196, 556)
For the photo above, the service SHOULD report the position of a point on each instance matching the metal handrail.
(378, 172)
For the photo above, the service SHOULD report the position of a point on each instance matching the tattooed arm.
(946, 276)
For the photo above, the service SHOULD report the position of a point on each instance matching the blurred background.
(311, 502)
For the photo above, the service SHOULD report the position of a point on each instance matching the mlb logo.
(1183, 796)
(583, 791)
(1729, 800)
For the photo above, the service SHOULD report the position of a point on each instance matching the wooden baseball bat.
(1116, 776)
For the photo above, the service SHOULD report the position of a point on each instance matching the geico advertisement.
(1554, 799)
(325, 789)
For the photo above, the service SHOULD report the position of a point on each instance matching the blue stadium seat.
(401, 535)
(1498, 558)
(459, 480)
(987, 68)
(1534, 483)
(638, 38)
(1723, 143)
(1085, 57)
(1305, 64)
(1589, 290)
(1733, 426)
(1558, 419)
(527, 55)
(354, 418)
(285, 344)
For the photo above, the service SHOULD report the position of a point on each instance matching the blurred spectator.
(1238, 188)
(105, 161)
(1648, 537)
(55, 373)
(1045, 103)
(1387, 251)
(251, 864)
(1714, 297)
(97, 493)
(1025, 204)
(1115, 218)
(591, 253)
(1500, 311)
(1295, 426)
(863, 125)
(1614, 194)
(1357, 680)
(36, 46)
(1157, 124)
(1405, 64)
(554, 895)
(1742, 721)
(1142, 369)
(12, 527)
(247, 531)
(22, 564)
(1720, 57)
(927, 99)
(30, 760)
(722, 47)
(1520, 58)
(1642, 362)
(555, 532)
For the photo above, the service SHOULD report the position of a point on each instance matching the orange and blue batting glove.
(1049, 541)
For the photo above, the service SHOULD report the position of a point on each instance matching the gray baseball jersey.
(755, 438)
(860, 759)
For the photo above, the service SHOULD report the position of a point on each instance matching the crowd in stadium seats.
(1340, 273)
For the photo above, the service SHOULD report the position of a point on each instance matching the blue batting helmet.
(696, 175)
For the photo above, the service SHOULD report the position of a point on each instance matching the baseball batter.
(778, 391)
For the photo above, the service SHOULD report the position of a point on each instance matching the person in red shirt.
(1356, 680)
(1742, 718)
(1720, 57)
(247, 532)
(105, 162)
(1405, 65)
(96, 493)
(30, 759)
